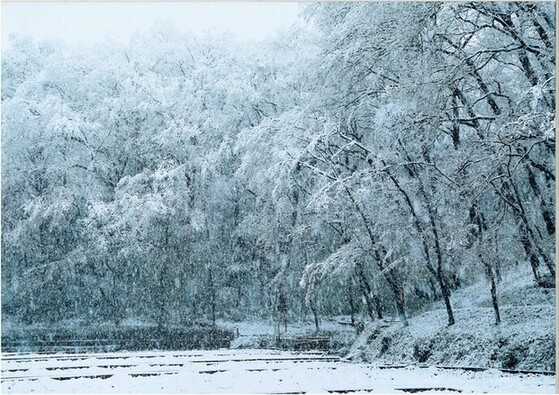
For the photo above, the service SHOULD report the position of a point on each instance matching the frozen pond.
(244, 371)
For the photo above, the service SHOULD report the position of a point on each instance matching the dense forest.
(368, 164)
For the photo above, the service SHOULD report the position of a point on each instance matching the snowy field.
(244, 371)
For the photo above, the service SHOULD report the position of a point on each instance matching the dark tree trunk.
(212, 295)
(491, 277)
(478, 220)
(315, 315)
(528, 236)
(399, 297)
(371, 301)
(438, 273)
(547, 214)
(378, 306)
(282, 307)
(392, 279)
(446, 297)
(351, 303)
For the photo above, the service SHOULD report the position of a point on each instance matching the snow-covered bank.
(243, 371)
(525, 339)
(528, 343)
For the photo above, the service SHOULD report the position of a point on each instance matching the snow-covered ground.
(262, 334)
(524, 340)
(243, 371)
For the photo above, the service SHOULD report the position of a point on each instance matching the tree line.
(371, 162)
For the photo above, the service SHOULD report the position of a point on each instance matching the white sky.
(92, 22)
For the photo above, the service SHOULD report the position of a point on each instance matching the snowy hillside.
(524, 340)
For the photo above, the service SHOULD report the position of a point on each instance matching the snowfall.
(245, 371)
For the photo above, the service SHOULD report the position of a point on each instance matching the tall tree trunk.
(351, 303)
(491, 277)
(547, 214)
(528, 238)
(438, 273)
(478, 220)
(393, 281)
(315, 315)
(282, 307)
(212, 296)
(371, 301)
(399, 297)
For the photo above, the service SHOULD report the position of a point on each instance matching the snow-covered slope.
(525, 339)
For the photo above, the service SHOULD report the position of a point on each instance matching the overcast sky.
(92, 22)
